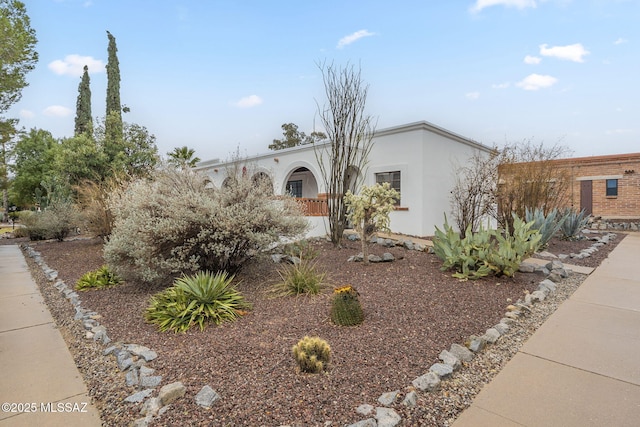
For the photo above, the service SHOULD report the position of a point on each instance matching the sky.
(221, 76)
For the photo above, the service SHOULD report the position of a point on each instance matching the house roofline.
(409, 127)
(609, 158)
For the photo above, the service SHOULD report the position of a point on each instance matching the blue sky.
(218, 75)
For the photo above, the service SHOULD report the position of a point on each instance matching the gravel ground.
(412, 309)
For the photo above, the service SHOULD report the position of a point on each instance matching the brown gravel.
(413, 311)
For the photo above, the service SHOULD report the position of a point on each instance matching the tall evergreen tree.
(84, 122)
(114, 108)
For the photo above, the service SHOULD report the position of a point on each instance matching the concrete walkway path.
(582, 366)
(39, 382)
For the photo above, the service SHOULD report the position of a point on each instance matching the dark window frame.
(612, 187)
(294, 187)
(392, 177)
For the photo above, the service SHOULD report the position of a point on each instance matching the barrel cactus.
(345, 307)
(312, 354)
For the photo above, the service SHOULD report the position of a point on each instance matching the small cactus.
(345, 307)
(312, 354)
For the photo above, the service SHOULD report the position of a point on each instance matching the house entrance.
(586, 196)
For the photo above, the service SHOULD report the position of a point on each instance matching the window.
(294, 188)
(612, 187)
(392, 178)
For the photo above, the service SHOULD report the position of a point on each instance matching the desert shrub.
(172, 225)
(346, 309)
(485, 252)
(312, 354)
(196, 300)
(20, 232)
(299, 278)
(301, 249)
(369, 211)
(98, 279)
(93, 200)
(58, 221)
(547, 225)
(574, 223)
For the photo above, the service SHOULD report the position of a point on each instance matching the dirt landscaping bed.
(413, 311)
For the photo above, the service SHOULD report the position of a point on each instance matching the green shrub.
(300, 278)
(345, 307)
(312, 354)
(20, 232)
(57, 221)
(172, 225)
(301, 249)
(574, 223)
(101, 278)
(196, 300)
(485, 252)
(547, 226)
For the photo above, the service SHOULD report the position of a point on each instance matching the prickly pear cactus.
(345, 307)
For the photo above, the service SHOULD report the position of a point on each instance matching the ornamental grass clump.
(312, 354)
(299, 278)
(98, 279)
(345, 307)
(196, 300)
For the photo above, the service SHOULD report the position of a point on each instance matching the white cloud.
(249, 101)
(620, 41)
(536, 81)
(73, 65)
(500, 85)
(619, 131)
(57, 111)
(27, 114)
(519, 4)
(346, 40)
(472, 95)
(532, 60)
(572, 52)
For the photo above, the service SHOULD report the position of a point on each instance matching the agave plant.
(574, 223)
(196, 300)
(547, 226)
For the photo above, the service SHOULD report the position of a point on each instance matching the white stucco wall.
(425, 155)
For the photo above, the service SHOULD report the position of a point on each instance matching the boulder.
(206, 397)
(171, 392)
(427, 382)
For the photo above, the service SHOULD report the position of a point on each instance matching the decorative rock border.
(607, 224)
(131, 359)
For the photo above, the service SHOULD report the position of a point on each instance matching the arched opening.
(302, 184)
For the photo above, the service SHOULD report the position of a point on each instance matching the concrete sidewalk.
(38, 374)
(582, 366)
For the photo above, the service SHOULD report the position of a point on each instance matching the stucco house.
(418, 159)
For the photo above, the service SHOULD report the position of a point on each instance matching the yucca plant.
(300, 278)
(98, 279)
(574, 223)
(312, 354)
(196, 300)
(346, 309)
(547, 225)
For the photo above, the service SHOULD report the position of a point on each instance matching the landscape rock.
(410, 399)
(206, 397)
(427, 382)
(387, 417)
(389, 398)
(388, 257)
(549, 284)
(374, 258)
(502, 328)
(527, 267)
(365, 409)
(151, 406)
(461, 352)
(139, 396)
(538, 295)
(492, 335)
(131, 378)
(477, 344)
(150, 381)
(442, 370)
(369, 422)
(171, 392)
(449, 359)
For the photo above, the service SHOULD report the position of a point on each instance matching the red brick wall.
(627, 170)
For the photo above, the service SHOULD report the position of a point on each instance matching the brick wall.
(597, 169)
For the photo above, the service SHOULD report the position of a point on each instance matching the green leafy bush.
(172, 225)
(312, 354)
(547, 226)
(57, 221)
(346, 309)
(485, 252)
(101, 278)
(300, 278)
(574, 223)
(196, 300)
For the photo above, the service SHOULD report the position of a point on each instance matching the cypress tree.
(113, 120)
(84, 121)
